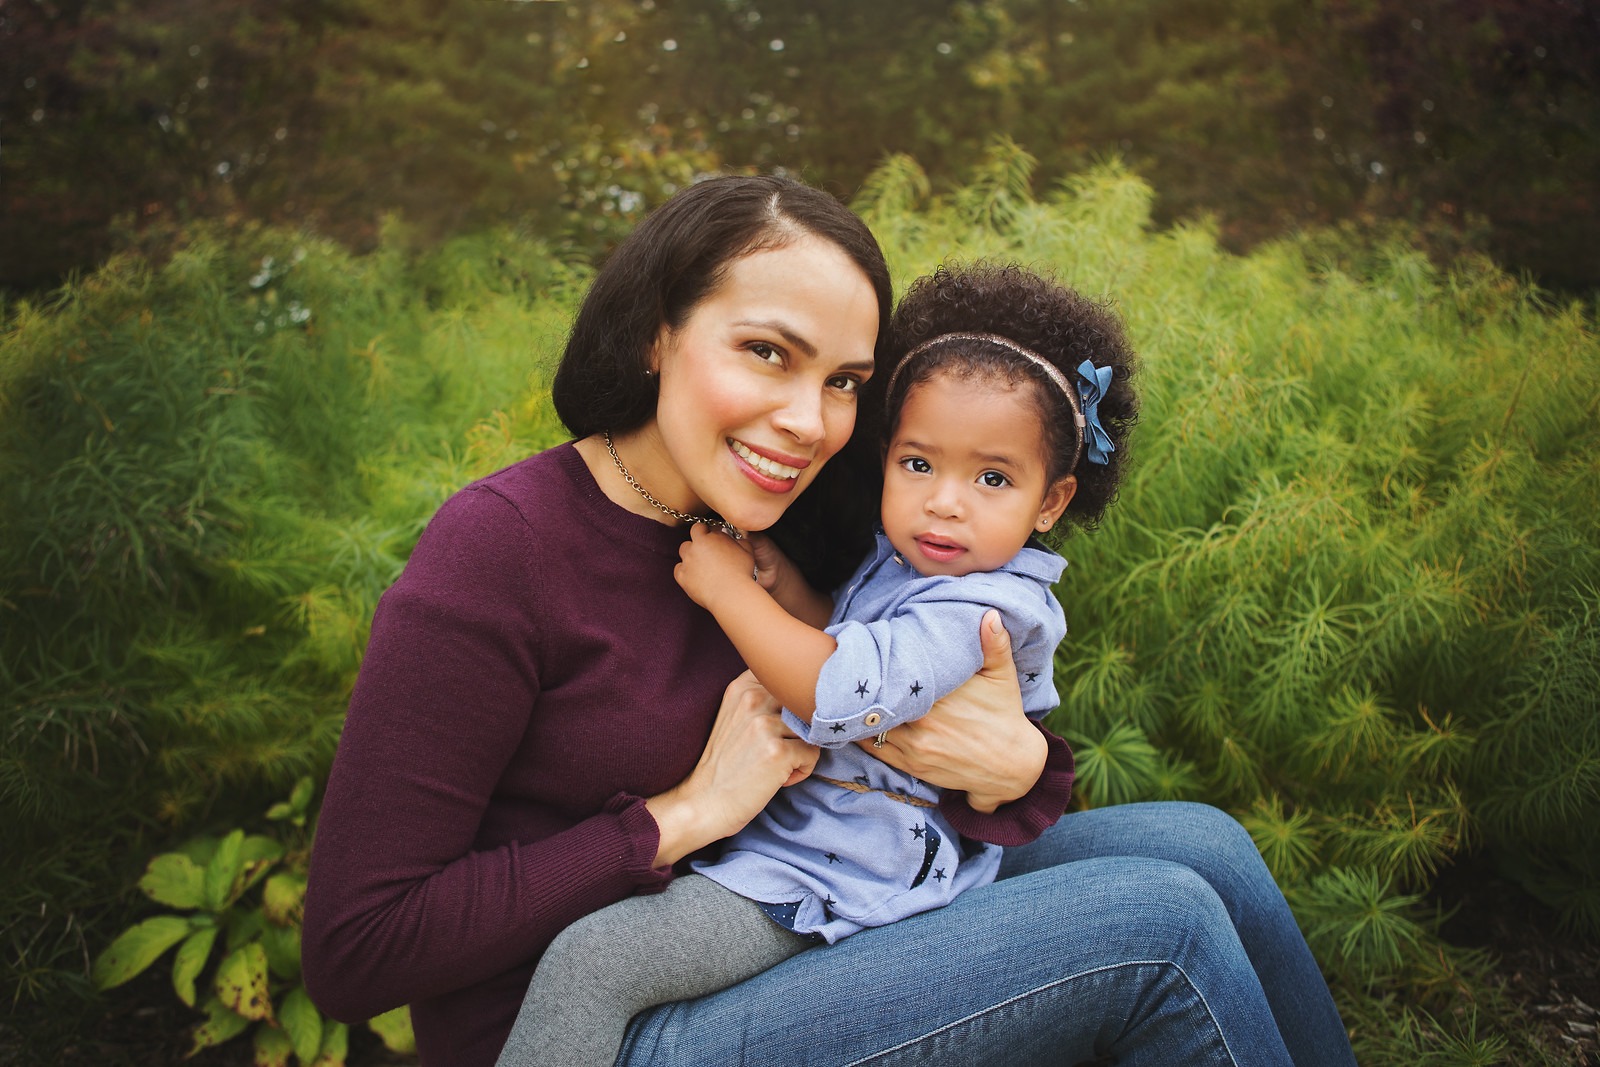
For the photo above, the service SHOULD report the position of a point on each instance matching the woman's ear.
(657, 350)
(1056, 499)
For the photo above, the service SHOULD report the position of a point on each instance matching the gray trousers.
(694, 939)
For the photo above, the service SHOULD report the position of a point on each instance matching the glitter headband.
(1084, 400)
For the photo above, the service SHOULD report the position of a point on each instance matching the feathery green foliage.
(210, 469)
(1348, 593)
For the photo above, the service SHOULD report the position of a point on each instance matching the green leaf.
(199, 849)
(222, 871)
(243, 925)
(260, 847)
(220, 1025)
(302, 1022)
(282, 946)
(335, 1045)
(273, 1047)
(175, 880)
(242, 982)
(300, 799)
(394, 1027)
(281, 899)
(190, 961)
(137, 948)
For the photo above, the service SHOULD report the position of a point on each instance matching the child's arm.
(787, 585)
(784, 652)
(890, 670)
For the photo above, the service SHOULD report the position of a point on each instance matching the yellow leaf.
(242, 982)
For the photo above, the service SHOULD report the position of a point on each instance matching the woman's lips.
(767, 471)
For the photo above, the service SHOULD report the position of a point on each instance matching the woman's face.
(758, 388)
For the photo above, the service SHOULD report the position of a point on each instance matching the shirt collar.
(1034, 561)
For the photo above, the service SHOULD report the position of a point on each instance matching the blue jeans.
(1149, 934)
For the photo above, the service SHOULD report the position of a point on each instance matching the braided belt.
(857, 787)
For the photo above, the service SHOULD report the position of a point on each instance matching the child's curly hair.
(1059, 324)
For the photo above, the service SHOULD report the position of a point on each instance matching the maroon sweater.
(534, 673)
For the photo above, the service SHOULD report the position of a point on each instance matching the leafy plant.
(255, 982)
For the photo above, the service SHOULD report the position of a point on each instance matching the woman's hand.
(977, 739)
(750, 756)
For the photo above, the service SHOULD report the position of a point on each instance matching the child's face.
(964, 480)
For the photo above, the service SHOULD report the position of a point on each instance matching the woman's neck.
(641, 454)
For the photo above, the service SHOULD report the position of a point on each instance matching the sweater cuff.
(641, 838)
(1025, 818)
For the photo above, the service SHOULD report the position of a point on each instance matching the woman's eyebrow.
(795, 340)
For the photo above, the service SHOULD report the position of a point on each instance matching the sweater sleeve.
(1025, 818)
(401, 906)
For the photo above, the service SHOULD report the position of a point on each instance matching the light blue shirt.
(860, 843)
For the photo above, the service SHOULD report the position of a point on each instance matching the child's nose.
(945, 500)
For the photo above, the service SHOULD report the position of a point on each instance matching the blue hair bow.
(1092, 385)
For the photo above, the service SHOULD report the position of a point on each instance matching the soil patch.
(1550, 976)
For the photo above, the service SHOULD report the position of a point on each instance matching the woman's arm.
(404, 903)
(750, 756)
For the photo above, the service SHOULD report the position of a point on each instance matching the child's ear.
(1056, 499)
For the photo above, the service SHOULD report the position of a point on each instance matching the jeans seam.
(1051, 985)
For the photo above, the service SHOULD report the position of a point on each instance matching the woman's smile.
(772, 471)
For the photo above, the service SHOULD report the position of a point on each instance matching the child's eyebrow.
(914, 446)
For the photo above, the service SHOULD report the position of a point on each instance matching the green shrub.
(1349, 592)
(256, 982)
(210, 469)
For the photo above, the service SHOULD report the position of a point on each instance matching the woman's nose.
(800, 416)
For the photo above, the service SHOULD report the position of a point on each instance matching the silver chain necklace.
(681, 516)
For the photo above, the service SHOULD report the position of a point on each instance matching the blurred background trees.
(1476, 122)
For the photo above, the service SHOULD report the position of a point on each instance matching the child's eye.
(916, 465)
(765, 352)
(994, 479)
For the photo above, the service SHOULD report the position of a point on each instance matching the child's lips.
(936, 548)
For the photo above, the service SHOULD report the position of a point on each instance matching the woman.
(536, 731)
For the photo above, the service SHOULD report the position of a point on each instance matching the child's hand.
(710, 563)
(772, 567)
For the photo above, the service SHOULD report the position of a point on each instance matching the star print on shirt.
(938, 874)
(916, 687)
(831, 857)
(1032, 675)
(917, 831)
(837, 727)
(861, 689)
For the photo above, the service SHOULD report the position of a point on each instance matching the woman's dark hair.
(1052, 320)
(672, 261)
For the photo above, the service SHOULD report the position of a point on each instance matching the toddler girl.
(1008, 412)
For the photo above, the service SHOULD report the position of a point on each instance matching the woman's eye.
(766, 353)
(844, 383)
(994, 479)
(916, 465)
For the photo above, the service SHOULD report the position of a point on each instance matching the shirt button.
(872, 718)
